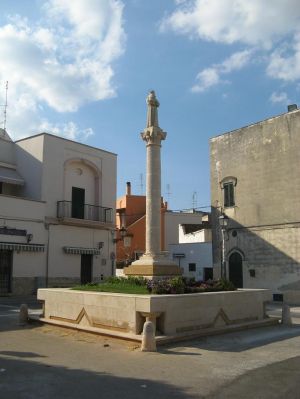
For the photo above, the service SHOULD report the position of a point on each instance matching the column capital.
(153, 135)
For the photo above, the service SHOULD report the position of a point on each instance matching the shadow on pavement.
(238, 341)
(21, 379)
(9, 320)
(16, 301)
(21, 354)
(276, 381)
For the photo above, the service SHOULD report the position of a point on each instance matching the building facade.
(57, 213)
(131, 218)
(255, 182)
(194, 250)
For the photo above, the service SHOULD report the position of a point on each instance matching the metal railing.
(68, 209)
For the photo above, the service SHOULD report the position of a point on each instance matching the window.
(192, 267)
(228, 186)
(228, 194)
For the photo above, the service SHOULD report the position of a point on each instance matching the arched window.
(84, 176)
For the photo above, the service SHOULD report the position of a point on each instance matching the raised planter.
(123, 315)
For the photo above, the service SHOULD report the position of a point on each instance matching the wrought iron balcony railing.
(69, 209)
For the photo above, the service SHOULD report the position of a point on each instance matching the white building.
(172, 222)
(57, 213)
(194, 250)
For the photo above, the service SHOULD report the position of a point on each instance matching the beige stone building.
(57, 213)
(255, 181)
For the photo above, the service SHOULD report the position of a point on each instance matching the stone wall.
(123, 315)
(264, 159)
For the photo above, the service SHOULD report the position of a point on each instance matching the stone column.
(153, 135)
(153, 262)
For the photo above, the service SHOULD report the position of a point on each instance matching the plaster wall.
(135, 206)
(172, 222)
(62, 160)
(68, 265)
(21, 208)
(199, 253)
(29, 159)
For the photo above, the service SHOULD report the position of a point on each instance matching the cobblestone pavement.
(40, 361)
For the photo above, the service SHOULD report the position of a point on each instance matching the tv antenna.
(142, 183)
(5, 106)
(168, 192)
(194, 200)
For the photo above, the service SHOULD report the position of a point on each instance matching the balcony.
(71, 210)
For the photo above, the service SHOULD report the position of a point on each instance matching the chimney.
(292, 107)
(128, 188)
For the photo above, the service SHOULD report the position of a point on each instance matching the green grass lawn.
(110, 287)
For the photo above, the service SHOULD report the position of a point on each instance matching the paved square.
(48, 362)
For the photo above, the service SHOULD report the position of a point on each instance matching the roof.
(256, 123)
(192, 228)
(4, 135)
(63, 138)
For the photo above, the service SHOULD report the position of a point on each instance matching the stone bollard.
(286, 315)
(148, 339)
(23, 315)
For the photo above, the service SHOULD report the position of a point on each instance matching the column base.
(152, 267)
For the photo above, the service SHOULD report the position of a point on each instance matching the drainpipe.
(47, 225)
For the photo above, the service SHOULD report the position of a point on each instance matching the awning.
(14, 246)
(10, 176)
(82, 251)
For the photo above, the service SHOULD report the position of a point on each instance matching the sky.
(82, 69)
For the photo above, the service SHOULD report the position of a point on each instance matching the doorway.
(207, 273)
(236, 269)
(5, 271)
(86, 268)
(78, 198)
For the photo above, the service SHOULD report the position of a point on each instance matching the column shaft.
(153, 200)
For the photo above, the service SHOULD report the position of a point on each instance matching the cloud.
(252, 22)
(271, 29)
(62, 61)
(212, 76)
(280, 98)
(69, 130)
(285, 62)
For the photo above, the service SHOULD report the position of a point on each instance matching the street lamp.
(223, 222)
(123, 232)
